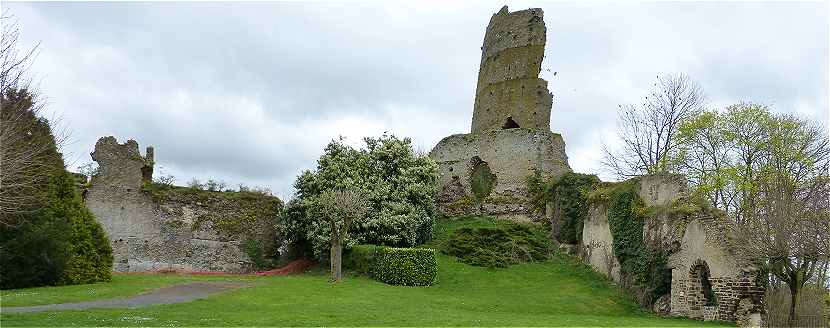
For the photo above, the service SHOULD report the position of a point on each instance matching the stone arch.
(702, 299)
(509, 123)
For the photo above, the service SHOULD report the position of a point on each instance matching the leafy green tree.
(399, 186)
(771, 174)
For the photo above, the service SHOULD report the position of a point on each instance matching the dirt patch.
(295, 267)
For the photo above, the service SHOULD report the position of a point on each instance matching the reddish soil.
(296, 266)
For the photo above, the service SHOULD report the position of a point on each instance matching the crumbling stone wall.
(510, 155)
(150, 233)
(597, 249)
(510, 93)
(731, 283)
(709, 281)
(511, 136)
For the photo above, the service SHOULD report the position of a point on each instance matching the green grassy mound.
(556, 292)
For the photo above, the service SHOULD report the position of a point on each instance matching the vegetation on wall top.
(567, 197)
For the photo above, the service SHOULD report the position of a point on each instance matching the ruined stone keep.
(484, 171)
(158, 227)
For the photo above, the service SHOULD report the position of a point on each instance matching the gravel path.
(168, 295)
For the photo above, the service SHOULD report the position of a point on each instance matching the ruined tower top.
(122, 165)
(510, 93)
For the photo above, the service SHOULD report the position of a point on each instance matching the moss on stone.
(230, 213)
(482, 180)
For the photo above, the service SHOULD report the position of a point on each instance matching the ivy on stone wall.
(568, 197)
(642, 266)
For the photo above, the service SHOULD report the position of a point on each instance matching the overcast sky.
(251, 92)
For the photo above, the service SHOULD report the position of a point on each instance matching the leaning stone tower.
(484, 172)
(510, 93)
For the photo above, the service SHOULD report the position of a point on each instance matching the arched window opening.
(510, 124)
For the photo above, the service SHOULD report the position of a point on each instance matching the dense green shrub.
(394, 266)
(499, 246)
(568, 195)
(91, 255)
(400, 186)
(51, 238)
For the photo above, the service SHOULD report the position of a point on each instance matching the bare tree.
(647, 130)
(340, 208)
(789, 225)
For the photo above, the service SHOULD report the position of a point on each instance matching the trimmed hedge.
(394, 266)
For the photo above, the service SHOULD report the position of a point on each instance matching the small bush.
(394, 266)
(498, 247)
(360, 258)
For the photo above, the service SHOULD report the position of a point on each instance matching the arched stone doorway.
(703, 302)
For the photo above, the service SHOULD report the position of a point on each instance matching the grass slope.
(560, 292)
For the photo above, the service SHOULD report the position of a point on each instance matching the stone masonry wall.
(511, 156)
(709, 282)
(484, 172)
(510, 92)
(150, 233)
(704, 245)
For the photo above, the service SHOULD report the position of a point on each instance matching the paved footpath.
(167, 295)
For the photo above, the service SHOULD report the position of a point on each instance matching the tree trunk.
(336, 261)
(793, 298)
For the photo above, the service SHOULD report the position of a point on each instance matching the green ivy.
(256, 252)
(569, 196)
(626, 217)
(394, 266)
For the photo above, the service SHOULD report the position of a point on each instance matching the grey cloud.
(251, 92)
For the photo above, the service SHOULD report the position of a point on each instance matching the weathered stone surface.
(597, 243)
(705, 248)
(510, 93)
(662, 189)
(511, 155)
(484, 172)
(708, 279)
(120, 165)
(150, 234)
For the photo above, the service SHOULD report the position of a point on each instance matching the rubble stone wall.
(709, 282)
(705, 245)
(511, 156)
(148, 233)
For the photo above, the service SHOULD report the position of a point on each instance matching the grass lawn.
(560, 292)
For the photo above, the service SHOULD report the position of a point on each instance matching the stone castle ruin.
(708, 280)
(162, 227)
(157, 227)
(484, 171)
